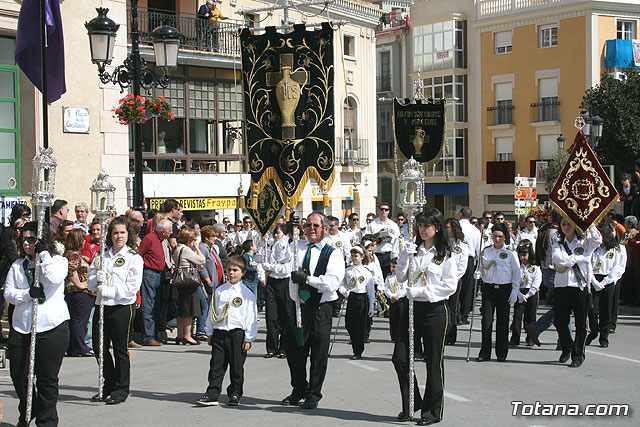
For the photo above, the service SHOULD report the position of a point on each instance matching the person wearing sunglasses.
(387, 230)
(529, 233)
(353, 231)
(527, 304)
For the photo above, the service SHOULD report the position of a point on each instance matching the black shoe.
(529, 342)
(282, 356)
(465, 322)
(269, 355)
(404, 417)
(604, 344)
(233, 400)
(114, 400)
(367, 340)
(200, 337)
(575, 363)
(309, 404)
(481, 359)
(356, 357)
(95, 398)
(418, 357)
(450, 342)
(427, 422)
(502, 359)
(565, 356)
(592, 336)
(513, 344)
(612, 331)
(558, 347)
(533, 335)
(291, 400)
(207, 401)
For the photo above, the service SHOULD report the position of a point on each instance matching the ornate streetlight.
(411, 199)
(561, 140)
(592, 127)
(103, 206)
(42, 196)
(134, 73)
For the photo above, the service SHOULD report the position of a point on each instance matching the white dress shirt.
(394, 288)
(471, 236)
(354, 235)
(123, 277)
(437, 279)
(530, 278)
(386, 229)
(500, 266)
(342, 243)
(460, 252)
(581, 251)
(279, 255)
(53, 311)
(610, 263)
(243, 316)
(359, 280)
(532, 236)
(328, 283)
(376, 270)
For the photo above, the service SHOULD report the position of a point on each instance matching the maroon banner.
(583, 193)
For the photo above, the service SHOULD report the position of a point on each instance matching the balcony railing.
(383, 83)
(501, 172)
(500, 115)
(492, 8)
(196, 33)
(352, 152)
(544, 111)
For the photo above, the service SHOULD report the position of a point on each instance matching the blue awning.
(454, 188)
(619, 54)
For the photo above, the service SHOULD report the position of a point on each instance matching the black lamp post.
(134, 72)
(561, 140)
(592, 128)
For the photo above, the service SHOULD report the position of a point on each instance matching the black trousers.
(605, 313)
(50, 348)
(528, 310)
(397, 312)
(616, 303)
(317, 346)
(356, 320)
(226, 350)
(566, 300)
(431, 320)
(466, 291)
(453, 307)
(593, 311)
(495, 298)
(117, 369)
(385, 263)
(80, 305)
(277, 312)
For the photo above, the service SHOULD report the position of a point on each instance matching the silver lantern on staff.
(410, 200)
(103, 207)
(42, 195)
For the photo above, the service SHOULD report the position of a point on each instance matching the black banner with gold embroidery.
(268, 207)
(418, 129)
(288, 103)
(583, 193)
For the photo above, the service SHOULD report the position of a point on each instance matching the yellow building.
(537, 59)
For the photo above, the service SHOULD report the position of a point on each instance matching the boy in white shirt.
(232, 325)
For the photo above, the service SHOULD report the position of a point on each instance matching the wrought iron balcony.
(199, 34)
(500, 115)
(545, 111)
(352, 152)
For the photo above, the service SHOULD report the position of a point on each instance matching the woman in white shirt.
(460, 251)
(52, 328)
(434, 279)
(528, 298)
(572, 261)
(118, 282)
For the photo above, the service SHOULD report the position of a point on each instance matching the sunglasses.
(531, 222)
(355, 219)
(384, 209)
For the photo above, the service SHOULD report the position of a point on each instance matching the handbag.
(185, 277)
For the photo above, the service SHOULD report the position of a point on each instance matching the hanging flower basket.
(135, 109)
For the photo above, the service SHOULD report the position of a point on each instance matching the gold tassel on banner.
(356, 195)
(241, 204)
(254, 199)
(325, 197)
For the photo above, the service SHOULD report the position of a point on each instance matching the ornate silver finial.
(580, 123)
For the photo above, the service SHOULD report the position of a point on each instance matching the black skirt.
(189, 303)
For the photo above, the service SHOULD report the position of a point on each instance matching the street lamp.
(561, 140)
(592, 127)
(134, 73)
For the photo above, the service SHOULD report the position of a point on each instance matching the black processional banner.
(418, 129)
(288, 104)
(267, 209)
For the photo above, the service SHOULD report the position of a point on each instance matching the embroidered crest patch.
(503, 255)
(579, 251)
(119, 262)
(237, 301)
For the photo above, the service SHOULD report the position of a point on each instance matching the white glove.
(267, 267)
(597, 285)
(101, 277)
(411, 248)
(514, 296)
(477, 274)
(371, 312)
(413, 292)
(259, 258)
(521, 298)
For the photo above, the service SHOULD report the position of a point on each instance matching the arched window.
(350, 120)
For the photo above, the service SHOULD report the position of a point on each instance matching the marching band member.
(530, 232)
(528, 298)
(277, 285)
(358, 287)
(460, 251)
(609, 261)
(369, 243)
(500, 273)
(396, 293)
(434, 280)
(353, 231)
(338, 239)
(572, 261)
(118, 282)
(52, 327)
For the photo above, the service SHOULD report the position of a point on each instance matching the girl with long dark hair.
(434, 279)
(528, 298)
(460, 252)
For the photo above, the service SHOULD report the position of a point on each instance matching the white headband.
(358, 248)
(367, 243)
